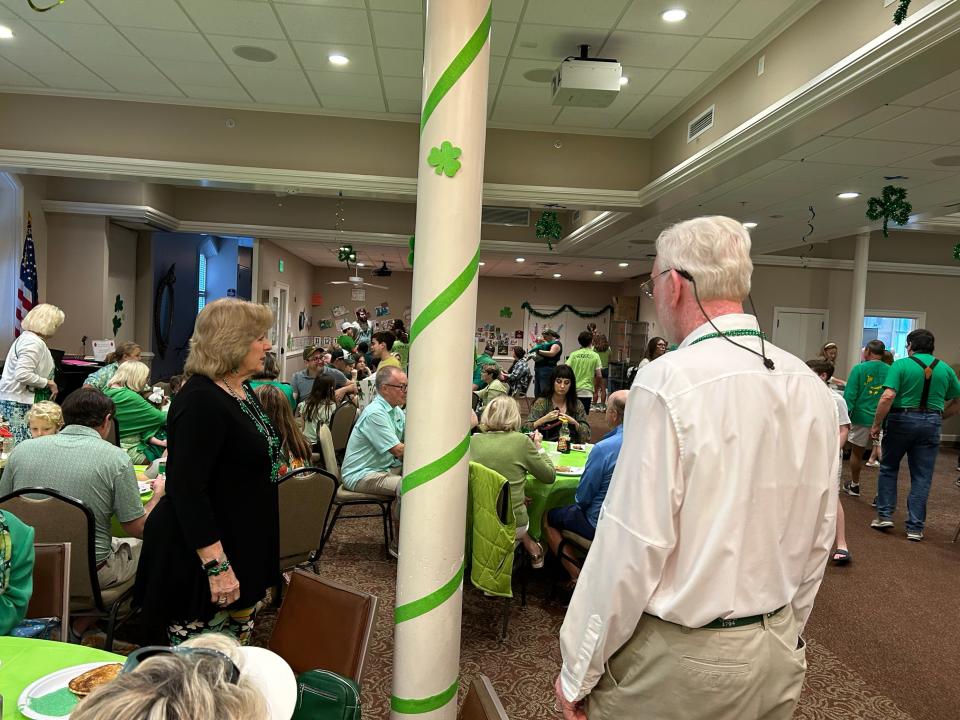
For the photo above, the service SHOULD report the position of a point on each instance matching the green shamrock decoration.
(118, 304)
(346, 253)
(892, 205)
(956, 252)
(506, 312)
(444, 159)
(549, 228)
(410, 254)
(900, 14)
(117, 322)
(117, 317)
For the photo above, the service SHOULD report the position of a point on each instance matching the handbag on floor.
(324, 695)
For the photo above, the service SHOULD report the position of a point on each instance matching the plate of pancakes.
(55, 695)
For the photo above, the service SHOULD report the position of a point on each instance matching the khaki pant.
(381, 483)
(667, 672)
(121, 562)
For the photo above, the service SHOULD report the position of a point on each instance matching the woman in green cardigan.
(500, 447)
(16, 570)
(142, 425)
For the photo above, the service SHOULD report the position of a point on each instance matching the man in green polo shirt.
(586, 365)
(862, 393)
(918, 393)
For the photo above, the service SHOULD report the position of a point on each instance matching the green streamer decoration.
(346, 253)
(44, 9)
(429, 602)
(411, 243)
(445, 299)
(506, 312)
(549, 228)
(892, 205)
(424, 705)
(956, 252)
(900, 14)
(579, 313)
(445, 159)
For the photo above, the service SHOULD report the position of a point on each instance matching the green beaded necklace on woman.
(251, 408)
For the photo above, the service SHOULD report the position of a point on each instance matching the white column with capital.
(858, 299)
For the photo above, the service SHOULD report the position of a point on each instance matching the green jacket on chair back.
(493, 541)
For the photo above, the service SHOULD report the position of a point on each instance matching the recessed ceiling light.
(749, 225)
(557, 275)
(848, 195)
(624, 264)
(5, 32)
(482, 263)
(674, 15)
(338, 59)
(360, 264)
(624, 80)
(521, 259)
(254, 53)
(598, 272)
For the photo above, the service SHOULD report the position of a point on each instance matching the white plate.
(50, 684)
(144, 487)
(572, 472)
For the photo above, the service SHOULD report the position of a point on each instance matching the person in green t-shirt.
(919, 392)
(481, 360)
(862, 393)
(586, 365)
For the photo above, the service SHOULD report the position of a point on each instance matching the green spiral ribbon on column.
(434, 309)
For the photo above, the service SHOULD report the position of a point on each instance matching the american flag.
(27, 287)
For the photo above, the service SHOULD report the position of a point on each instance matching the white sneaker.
(915, 536)
(872, 463)
(881, 523)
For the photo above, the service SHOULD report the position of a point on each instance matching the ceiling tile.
(169, 45)
(10, 74)
(524, 115)
(411, 6)
(497, 65)
(648, 49)
(36, 53)
(316, 56)
(680, 83)
(403, 30)
(157, 14)
(229, 17)
(406, 107)
(948, 102)
(402, 62)
(221, 93)
(608, 117)
(93, 38)
(816, 173)
(649, 112)
(574, 13)
(156, 85)
(75, 11)
(749, 18)
(529, 97)
(640, 80)
(814, 146)
(278, 87)
(224, 44)
(321, 3)
(501, 37)
(925, 160)
(507, 10)
(934, 126)
(517, 70)
(74, 78)
(360, 104)
(345, 84)
(326, 24)
(118, 66)
(702, 15)
(862, 151)
(930, 92)
(869, 120)
(399, 88)
(186, 72)
(554, 42)
(711, 53)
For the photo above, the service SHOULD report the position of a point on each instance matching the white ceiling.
(182, 51)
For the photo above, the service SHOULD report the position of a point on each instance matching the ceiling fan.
(356, 281)
(346, 254)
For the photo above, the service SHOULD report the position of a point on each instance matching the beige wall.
(121, 280)
(298, 275)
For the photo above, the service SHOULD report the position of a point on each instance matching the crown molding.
(588, 230)
(847, 265)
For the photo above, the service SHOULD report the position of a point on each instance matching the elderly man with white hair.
(712, 541)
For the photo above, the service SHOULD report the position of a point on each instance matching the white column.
(432, 527)
(858, 299)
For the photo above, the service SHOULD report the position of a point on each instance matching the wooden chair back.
(481, 702)
(51, 585)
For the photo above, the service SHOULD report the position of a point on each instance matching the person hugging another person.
(44, 418)
(493, 387)
(317, 410)
(296, 448)
(125, 351)
(559, 404)
(142, 425)
(546, 355)
(500, 447)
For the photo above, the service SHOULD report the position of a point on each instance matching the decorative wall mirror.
(163, 310)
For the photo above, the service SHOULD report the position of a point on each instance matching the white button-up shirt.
(723, 503)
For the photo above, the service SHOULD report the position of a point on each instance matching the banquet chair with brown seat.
(348, 498)
(51, 585)
(340, 426)
(481, 702)
(305, 498)
(113, 436)
(322, 624)
(573, 548)
(59, 518)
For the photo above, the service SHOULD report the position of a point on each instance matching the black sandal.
(841, 557)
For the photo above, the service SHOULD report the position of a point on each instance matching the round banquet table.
(544, 497)
(23, 660)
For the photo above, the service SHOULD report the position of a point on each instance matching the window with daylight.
(201, 281)
(892, 329)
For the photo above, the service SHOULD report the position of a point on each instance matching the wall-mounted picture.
(326, 323)
(518, 334)
(383, 309)
(339, 311)
(502, 349)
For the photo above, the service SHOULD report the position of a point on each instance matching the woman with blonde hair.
(211, 544)
(28, 371)
(44, 418)
(142, 425)
(296, 448)
(501, 447)
(124, 351)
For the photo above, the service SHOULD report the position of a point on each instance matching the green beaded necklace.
(730, 333)
(264, 426)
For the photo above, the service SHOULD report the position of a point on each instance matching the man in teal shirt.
(918, 393)
(586, 365)
(862, 393)
(484, 359)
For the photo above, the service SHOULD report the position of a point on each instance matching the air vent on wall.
(514, 217)
(701, 123)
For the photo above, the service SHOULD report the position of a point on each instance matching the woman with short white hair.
(28, 371)
(142, 425)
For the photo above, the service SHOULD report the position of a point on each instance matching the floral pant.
(237, 623)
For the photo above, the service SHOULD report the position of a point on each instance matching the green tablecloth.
(545, 497)
(24, 660)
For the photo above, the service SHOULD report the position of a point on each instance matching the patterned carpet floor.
(882, 641)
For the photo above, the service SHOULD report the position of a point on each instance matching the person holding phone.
(559, 402)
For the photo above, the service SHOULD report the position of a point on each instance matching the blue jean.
(541, 379)
(916, 435)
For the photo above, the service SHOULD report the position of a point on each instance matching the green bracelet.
(221, 568)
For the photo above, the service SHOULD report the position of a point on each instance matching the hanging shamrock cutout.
(506, 312)
(346, 253)
(410, 254)
(117, 317)
(956, 252)
(549, 228)
(444, 159)
(892, 205)
(900, 14)
(44, 9)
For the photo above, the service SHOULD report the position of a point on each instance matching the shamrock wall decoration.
(506, 312)
(892, 205)
(410, 254)
(346, 253)
(900, 14)
(956, 252)
(444, 159)
(549, 228)
(117, 317)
